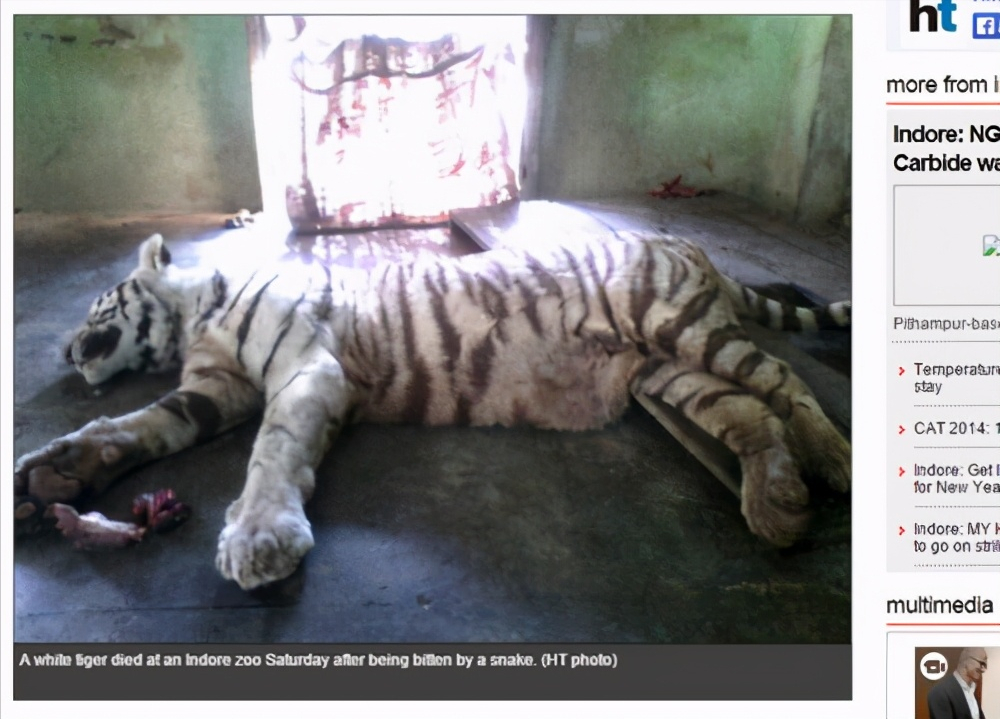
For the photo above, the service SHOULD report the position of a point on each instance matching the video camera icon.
(933, 666)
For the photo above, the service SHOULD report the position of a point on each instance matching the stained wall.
(133, 113)
(759, 106)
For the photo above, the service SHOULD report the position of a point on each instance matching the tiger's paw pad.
(775, 504)
(47, 482)
(29, 515)
(780, 526)
(62, 469)
(258, 551)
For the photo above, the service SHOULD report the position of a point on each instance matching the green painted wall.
(742, 104)
(153, 113)
(129, 113)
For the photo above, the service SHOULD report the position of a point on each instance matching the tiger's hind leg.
(820, 450)
(267, 532)
(773, 497)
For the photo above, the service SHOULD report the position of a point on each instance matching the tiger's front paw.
(257, 550)
(89, 458)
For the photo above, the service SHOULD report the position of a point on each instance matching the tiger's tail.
(781, 315)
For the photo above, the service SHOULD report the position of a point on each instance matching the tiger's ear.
(153, 254)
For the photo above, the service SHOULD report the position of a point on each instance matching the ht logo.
(944, 9)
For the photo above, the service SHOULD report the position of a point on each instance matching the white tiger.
(552, 338)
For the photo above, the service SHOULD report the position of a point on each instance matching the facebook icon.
(986, 25)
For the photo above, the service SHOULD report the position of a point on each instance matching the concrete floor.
(422, 535)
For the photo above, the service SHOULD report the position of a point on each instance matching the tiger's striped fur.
(553, 338)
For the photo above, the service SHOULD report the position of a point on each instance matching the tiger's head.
(131, 326)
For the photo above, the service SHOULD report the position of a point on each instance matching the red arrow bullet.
(901, 371)
(901, 530)
(901, 471)
(902, 429)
